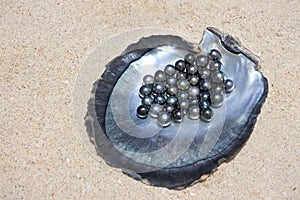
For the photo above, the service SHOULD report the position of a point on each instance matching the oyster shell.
(178, 155)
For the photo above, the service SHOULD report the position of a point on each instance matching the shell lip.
(234, 45)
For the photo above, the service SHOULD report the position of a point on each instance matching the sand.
(43, 47)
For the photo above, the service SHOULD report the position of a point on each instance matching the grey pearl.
(194, 92)
(217, 77)
(193, 80)
(180, 76)
(154, 110)
(191, 69)
(215, 54)
(170, 70)
(172, 90)
(159, 76)
(171, 81)
(204, 73)
(218, 89)
(184, 105)
(189, 58)
(217, 100)
(182, 95)
(216, 65)
(148, 79)
(194, 112)
(148, 100)
(164, 119)
(229, 85)
(202, 61)
(142, 111)
(183, 84)
(169, 108)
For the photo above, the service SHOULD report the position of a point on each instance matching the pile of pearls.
(191, 87)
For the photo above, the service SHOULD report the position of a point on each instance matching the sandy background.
(43, 46)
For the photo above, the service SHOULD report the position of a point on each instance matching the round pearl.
(194, 112)
(160, 99)
(189, 58)
(215, 54)
(203, 104)
(147, 100)
(171, 80)
(169, 108)
(191, 69)
(202, 61)
(142, 111)
(180, 76)
(148, 79)
(177, 115)
(183, 84)
(205, 96)
(184, 105)
(216, 65)
(194, 92)
(159, 88)
(228, 85)
(172, 100)
(207, 114)
(217, 100)
(217, 77)
(194, 101)
(205, 85)
(218, 89)
(154, 110)
(182, 95)
(169, 70)
(172, 90)
(145, 90)
(180, 65)
(193, 79)
(204, 73)
(163, 119)
(159, 76)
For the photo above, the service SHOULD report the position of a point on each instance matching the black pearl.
(216, 65)
(204, 86)
(205, 96)
(169, 108)
(193, 79)
(145, 90)
(142, 111)
(177, 115)
(180, 65)
(160, 99)
(159, 88)
(204, 104)
(215, 55)
(172, 100)
(189, 58)
(207, 114)
(228, 85)
(191, 69)
(147, 100)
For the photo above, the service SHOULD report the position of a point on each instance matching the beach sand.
(43, 48)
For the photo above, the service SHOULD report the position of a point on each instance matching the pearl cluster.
(191, 87)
